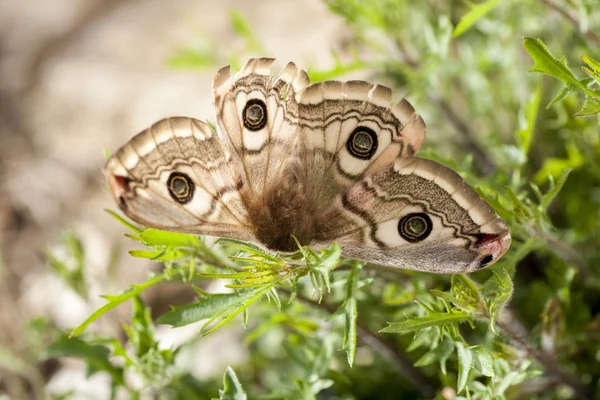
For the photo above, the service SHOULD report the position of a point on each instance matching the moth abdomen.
(285, 211)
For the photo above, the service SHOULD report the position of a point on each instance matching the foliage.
(317, 325)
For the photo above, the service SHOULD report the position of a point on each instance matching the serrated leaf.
(594, 70)
(229, 314)
(327, 261)
(590, 107)
(209, 306)
(547, 64)
(232, 388)
(467, 295)
(116, 300)
(415, 324)
(465, 358)
(473, 15)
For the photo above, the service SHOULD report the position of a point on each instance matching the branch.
(547, 361)
(386, 348)
(588, 33)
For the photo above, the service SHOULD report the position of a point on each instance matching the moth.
(322, 163)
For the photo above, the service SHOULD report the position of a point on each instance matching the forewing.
(177, 176)
(257, 117)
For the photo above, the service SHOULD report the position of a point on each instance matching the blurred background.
(78, 78)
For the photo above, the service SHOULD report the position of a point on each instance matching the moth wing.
(177, 176)
(257, 117)
(353, 128)
(415, 214)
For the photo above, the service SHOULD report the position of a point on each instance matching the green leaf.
(551, 195)
(503, 291)
(594, 68)
(465, 358)
(114, 301)
(555, 167)
(141, 332)
(441, 353)
(350, 313)
(466, 295)
(547, 64)
(72, 271)
(128, 224)
(231, 313)
(560, 96)
(590, 107)
(483, 361)
(232, 388)
(527, 119)
(327, 261)
(156, 237)
(207, 307)
(249, 248)
(157, 255)
(445, 350)
(415, 324)
(473, 15)
(96, 356)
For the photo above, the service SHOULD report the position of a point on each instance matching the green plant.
(317, 325)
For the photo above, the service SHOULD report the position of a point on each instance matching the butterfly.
(317, 163)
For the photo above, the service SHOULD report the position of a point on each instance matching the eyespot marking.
(255, 115)
(181, 187)
(415, 227)
(362, 143)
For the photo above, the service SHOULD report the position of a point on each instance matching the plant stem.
(547, 361)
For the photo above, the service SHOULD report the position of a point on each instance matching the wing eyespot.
(362, 143)
(181, 187)
(415, 227)
(255, 115)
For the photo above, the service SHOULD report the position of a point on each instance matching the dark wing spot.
(488, 258)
